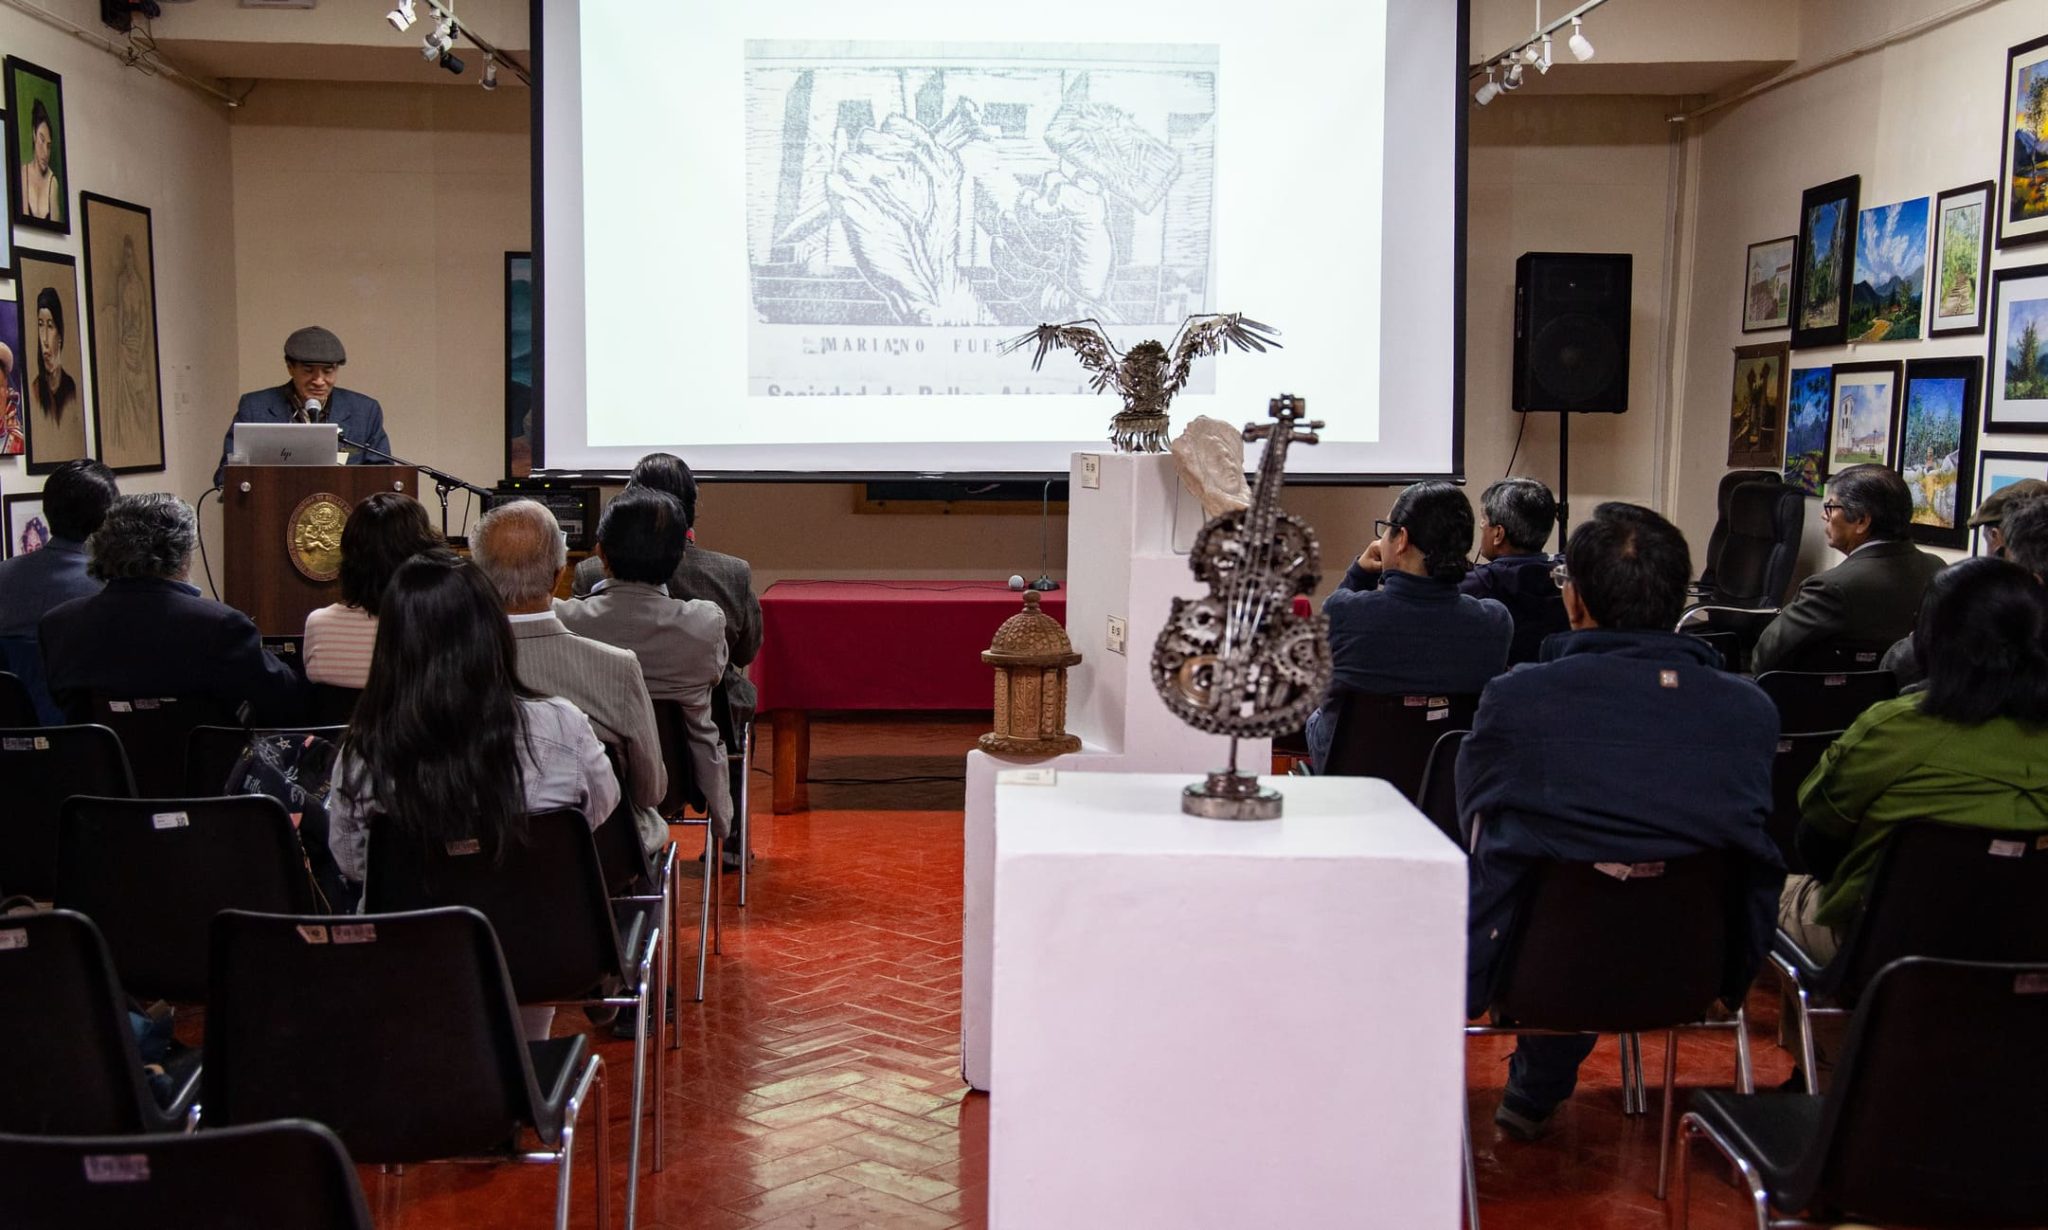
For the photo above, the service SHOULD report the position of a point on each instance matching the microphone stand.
(1044, 583)
(444, 482)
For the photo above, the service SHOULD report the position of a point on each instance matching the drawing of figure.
(132, 393)
(896, 190)
(11, 439)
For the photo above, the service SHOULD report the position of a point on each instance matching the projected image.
(909, 206)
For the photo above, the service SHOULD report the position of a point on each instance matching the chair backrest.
(1936, 1114)
(1766, 521)
(1812, 701)
(331, 705)
(1619, 947)
(152, 873)
(671, 729)
(1723, 494)
(288, 1173)
(154, 730)
(42, 766)
(17, 708)
(544, 895)
(1836, 657)
(1439, 796)
(398, 1031)
(22, 657)
(68, 1063)
(211, 752)
(1797, 754)
(619, 853)
(1390, 736)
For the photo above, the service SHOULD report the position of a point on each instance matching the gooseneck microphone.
(314, 411)
(1044, 583)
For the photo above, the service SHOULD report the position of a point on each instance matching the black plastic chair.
(287, 1173)
(1717, 538)
(68, 1062)
(211, 752)
(42, 766)
(555, 921)
(1814, 701)
(1797, 755)
(1939, 890)
(633, 876)
(154, 730)
(152, 873)
(685, 795)
(1935, 1117)
(1837, 656)
(1439, 797)
(1391, 736)
(1732, 631)
(319, 1017)
(22, 657)
(17, 707)
(1758, 554)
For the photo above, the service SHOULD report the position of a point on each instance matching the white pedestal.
(1121, 561)
(1206, 1023)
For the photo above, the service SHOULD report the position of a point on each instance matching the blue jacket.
(31, 584)
(1617, 746)
(1522, 584)
(361, 419)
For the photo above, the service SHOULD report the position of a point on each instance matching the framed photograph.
(2023, 135)
(2016, 369)
(1756, 406)
(1938, 446)
(39, 178)
(13, 440)
(518, 364)
(1962, 260)
(1806, 428)
(1823, 262)
(1891, 273)
(1865, 414)
(2002, 469)
(54, 408)
(120, 297)
(1767, 285)
(27, 529)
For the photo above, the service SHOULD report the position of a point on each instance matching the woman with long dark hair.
(41, 195)
(383, 532)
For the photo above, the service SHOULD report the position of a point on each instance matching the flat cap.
(314, 344)
(2005, 499)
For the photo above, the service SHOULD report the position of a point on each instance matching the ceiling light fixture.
(1511, 79)
(490, 81)
(1582, 50)
(1489, 91)
(402, 17)
(1542, 60)
(438, 40)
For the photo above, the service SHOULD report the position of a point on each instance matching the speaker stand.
(1564, 477)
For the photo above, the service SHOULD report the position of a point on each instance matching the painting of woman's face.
(49, 341)
(43, 148)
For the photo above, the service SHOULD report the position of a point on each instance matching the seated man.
(1999, 516)
(680, 645)
(1516, 516)
(1869, 599)
(75, 499)
(1626, 743)
(520, 547)
(149, 633)
(1398, 623)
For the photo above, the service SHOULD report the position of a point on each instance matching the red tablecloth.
(883, 644)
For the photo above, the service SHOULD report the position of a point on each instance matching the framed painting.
(1891, 273)
(13, 440)
(518, 364)
(1806, 427)
(54, 408)
(1997, 469)
(2016, 369)
(1767, 285)
(1756, 406)
(1962, 260)
(2023, 135)
(27, 528)
(1823, 263)
(1865, 414)
(1938, 446)
(120, 298)
(38, 175)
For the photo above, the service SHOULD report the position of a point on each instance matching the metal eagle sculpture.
(1149, 374)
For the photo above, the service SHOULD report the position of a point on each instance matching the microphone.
(1044, 583)
(315, 412)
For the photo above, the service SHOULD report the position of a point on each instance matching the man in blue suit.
(313, 357)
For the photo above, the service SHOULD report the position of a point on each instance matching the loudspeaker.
(1571, 331)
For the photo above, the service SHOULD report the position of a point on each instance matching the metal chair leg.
(744, 820)
(1683, 1197)
(1670, 1105)
(1807, 1067)
(717, 879)
(1471, 1173)
(1745, 1074)
(711, 857)
(1628, 1090)
(565, 1157)
(655, 1012)
(641, 1046)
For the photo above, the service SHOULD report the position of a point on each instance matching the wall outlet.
(1116, 634)
(1091, 470)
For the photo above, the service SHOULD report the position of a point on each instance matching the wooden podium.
(258, 503)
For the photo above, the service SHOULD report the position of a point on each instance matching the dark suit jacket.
(1871, 598)
(149, 637)
(726, 581)
(1522, 584)
(360, 418)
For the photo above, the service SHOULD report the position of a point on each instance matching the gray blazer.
(1871, 598)
(605, 684)
(723, 579)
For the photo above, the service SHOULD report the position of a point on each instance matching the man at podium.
(312, 358)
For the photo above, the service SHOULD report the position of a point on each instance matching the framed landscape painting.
(1767, 285)
(2017, 366)
(1937, 447)
(1865, 416)
(1823, 263)
(1756, 406)
(1891, 273)
(1806, 428)
(27, 528)
(2023, 212)
(1962, 260)
(2002, 469)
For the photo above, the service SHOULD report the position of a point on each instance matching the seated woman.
(383, 532)
(1965, 751)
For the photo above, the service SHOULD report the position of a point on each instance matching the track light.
(1542, 60)
(450, 62)
(490, 81)
(1582, 50)
(438, 40)
(402, 17)
(1488, 92)
(1512, 78)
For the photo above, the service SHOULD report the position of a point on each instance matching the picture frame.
(38, 173)
(24, 514)
(121, 319)
(1823, 262)
(1961, 259)
(1887, 299)
(13, 428)
(54, 406)
(1767, 284)
(2015, 370)
(1808, 404)
(1998, 468)
(1863, 414)
(1937, 451)
(1756, 405)
(519, 392)
(2023, 145)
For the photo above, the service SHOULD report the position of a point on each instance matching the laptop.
(286, 444)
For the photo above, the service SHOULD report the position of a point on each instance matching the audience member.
(1965, 751)
(2015, 523)
(520, 548)
(1516, 516)
(75, 498)
(1398, 623)
(1869, 599)
(1626, 743)
(150, 634)
(382, 532)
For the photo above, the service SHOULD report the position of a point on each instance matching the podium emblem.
(312, 536)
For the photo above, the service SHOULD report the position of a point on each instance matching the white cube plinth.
(1205, 1023)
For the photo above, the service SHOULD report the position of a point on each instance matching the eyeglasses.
(1560, 575)
(1381, 528)
(1828, 507)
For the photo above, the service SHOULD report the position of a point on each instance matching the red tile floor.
(818, 1085)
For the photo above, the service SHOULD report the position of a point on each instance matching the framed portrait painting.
(54, 407)
(1756, 406)
(2023, 125)
(1997, 469)
(13, 440)
(39, 177)
(2016, 369)
(1962, 260)
(1891, 272)
(1823, 263)
(1767, 285)
(27, 528)
(1938, 445)
(1865, 414)
(1806, 427)
(120, 297)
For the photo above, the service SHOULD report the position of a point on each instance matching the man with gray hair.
(150, 634)
(1516, 516)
